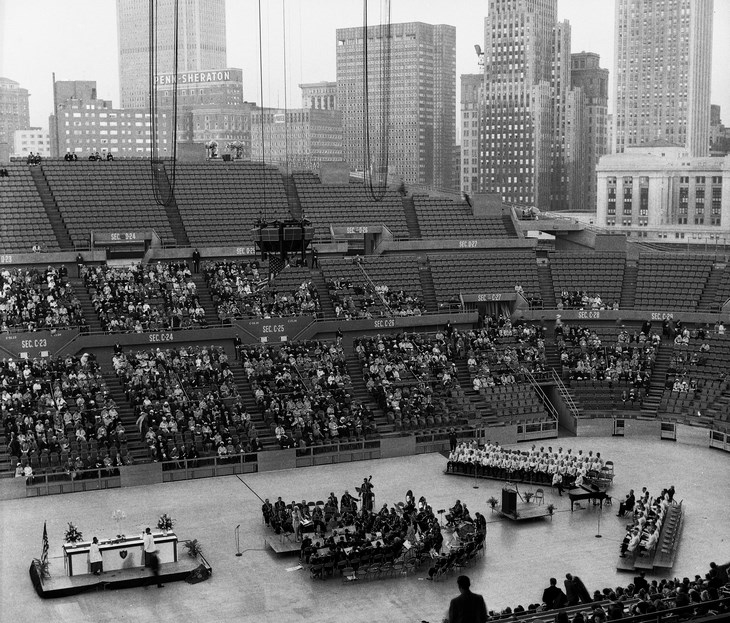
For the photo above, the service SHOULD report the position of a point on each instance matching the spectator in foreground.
(468, 607)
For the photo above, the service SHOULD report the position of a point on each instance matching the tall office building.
(471, 85)
(14, 110)
(528, 114)
(422, 98)
(201, 43)
(663, 57)
(587, 75)
(319, 95)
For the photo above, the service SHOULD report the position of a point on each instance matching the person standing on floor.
(468, 607)
(155, 566)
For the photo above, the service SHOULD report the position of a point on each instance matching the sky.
(77, 39)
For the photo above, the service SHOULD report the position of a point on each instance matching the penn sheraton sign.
(198, 77)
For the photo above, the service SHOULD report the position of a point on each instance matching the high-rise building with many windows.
(663, 57)
(422, 98)
(14, 110)
(201, 43)
(587, 75)
(530, 119)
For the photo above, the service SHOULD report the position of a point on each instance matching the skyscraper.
(587, 75)
(422, 98)
(663, 57)
(14, 110)
(528, 116)
(201, 43)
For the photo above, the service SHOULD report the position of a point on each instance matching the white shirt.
(149, 543)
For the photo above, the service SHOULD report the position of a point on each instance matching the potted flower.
(194, 548)
(72, 534)
(493, 502)
(551, 510)
(165, 523)
(528, 496)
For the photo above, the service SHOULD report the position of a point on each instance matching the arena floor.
(257, 587)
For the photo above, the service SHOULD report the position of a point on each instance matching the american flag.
(276, 265)
(44, 553)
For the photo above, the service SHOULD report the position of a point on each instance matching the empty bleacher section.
(141, 298)
(220, 202)
(374, 286)
(32, 299)
(443, 218)
(587, 281)
(670, 281)
(240, 290)
(723, 288)
(23, 219)
(476, 273)
(348, 205)
(106, 196)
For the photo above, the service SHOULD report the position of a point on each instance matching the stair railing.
(381, 296)
(565, 393)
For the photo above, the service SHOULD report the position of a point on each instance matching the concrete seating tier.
(599, 274)
(476, 273)
(351, 285)
(24, 219)
(220, 202)
(347, 205)
(444, 218)
(671, 281)
(103, 196)
(515, 402)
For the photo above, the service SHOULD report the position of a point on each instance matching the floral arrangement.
(73, 534)
(194, 548)
(119, 516)
(165, 522)
(493, 502)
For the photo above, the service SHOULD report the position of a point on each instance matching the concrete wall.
(140, 475)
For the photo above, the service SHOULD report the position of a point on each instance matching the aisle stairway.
(361, 394)
(547, 290)
(264, 432)
(655, 390)
(628, 287)
(325, 302)
(171, 210)
(409, 209)
(54, 214)
(708, 301)
(292, 197)
(206, 300)
(92, 319)
(480, 406)
(137, 446)
(427, 287)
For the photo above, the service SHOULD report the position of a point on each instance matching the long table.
(117, 554)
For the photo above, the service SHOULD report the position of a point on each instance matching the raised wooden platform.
(64, 585)
(527, 511)
(666, 550)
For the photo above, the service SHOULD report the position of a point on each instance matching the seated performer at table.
(454, 514)
(627, 505)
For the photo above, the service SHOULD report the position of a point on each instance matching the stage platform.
(64, 585)
(527, 511)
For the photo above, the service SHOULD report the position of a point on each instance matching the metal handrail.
(552, 411)
(565, 393)
(375, 289)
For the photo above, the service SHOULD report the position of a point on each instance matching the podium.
(509, 500)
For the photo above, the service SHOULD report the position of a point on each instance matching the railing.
(375, 289)
(72, 482)
(565, 393)
(209, 466)
(552, 412)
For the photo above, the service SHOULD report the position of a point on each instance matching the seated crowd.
(367, 300)
(141, 298)
(561, 469)
(304, 393)
(648, 515)
(33, 299)
(499, 352)
(187, 403)
(683, 374)
(584, 357)
(580, 299)
(239, 291)
(59, 416)
(695, 597)
(411, 376)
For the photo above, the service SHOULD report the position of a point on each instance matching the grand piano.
(587, 492)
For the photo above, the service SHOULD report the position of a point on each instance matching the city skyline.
(83, 37)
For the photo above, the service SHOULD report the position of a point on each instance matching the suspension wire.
(375, 171)
(157, 163)
(261, 87)
(286, 107)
